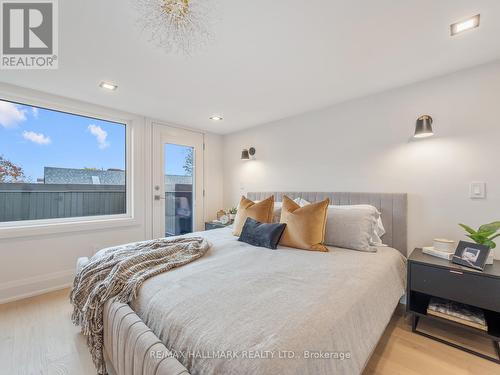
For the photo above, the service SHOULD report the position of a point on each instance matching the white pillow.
(357, 226)
(378, 229)
(350, 228)
(301, 202)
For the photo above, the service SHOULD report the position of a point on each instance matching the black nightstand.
(211, 225)
(429, 276)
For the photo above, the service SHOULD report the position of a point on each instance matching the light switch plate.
(478, 190)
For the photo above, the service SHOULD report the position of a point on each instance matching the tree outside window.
(10, 172)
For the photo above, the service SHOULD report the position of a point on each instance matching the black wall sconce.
(248, 154)
(423, 127)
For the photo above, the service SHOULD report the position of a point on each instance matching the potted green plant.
(232, 213)
(485, 234)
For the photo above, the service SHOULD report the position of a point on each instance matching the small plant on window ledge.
(485, 234)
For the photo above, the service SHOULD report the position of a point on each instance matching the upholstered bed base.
(130, 347)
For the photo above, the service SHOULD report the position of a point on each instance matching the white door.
(177, 181)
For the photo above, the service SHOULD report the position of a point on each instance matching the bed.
(246, 310)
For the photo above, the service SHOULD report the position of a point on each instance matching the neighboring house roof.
(54, 175)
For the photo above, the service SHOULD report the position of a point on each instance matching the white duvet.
(249, 310)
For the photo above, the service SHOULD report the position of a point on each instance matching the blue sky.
(175, 155)
(34, 137)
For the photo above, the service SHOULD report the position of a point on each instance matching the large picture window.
(56, 165)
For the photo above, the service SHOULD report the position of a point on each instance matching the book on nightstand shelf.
(457, 312)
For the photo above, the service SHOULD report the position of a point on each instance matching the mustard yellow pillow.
(261, 211)
(305, 226)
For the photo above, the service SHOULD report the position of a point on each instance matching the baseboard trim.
(36, 285)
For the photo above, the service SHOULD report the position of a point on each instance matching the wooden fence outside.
(49, 201)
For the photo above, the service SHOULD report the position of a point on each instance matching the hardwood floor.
(401, 351)
(37, 337)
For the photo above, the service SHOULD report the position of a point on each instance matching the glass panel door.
(177, 178)
(179, 189)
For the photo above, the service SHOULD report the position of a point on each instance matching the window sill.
(23, 230)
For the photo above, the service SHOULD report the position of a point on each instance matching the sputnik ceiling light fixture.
(176, 25)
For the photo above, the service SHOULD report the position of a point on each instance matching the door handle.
(457, 272)
(158, 197)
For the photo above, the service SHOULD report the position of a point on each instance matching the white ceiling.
(268, 59)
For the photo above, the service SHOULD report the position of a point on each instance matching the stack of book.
(458, 312)
(441, 248)
(437, 253)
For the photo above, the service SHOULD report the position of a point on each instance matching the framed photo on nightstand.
(472, 255)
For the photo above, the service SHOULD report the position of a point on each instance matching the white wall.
(32, 263)
(213, 175)
(365, 145)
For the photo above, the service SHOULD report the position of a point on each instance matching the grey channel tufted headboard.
(393, 206)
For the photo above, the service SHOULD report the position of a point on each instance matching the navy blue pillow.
(261, 234)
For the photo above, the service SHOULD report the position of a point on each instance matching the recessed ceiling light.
(216, 118)
(468, 24)
(108, 86)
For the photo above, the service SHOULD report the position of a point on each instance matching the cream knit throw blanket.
(118, 272)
